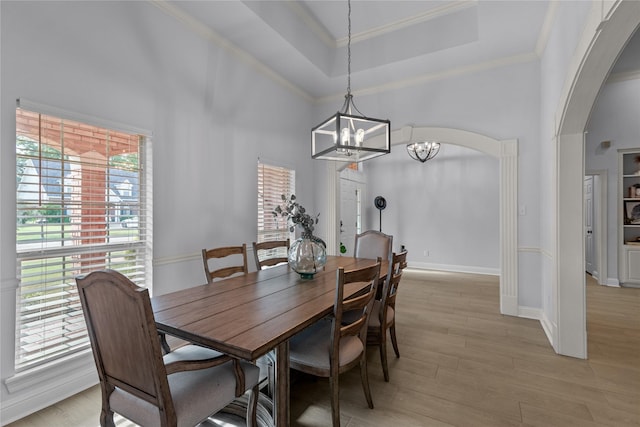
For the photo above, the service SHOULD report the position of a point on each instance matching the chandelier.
(347, 136)
(423, 151)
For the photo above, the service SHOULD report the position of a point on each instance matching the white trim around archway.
(506, 152)
(606, 33)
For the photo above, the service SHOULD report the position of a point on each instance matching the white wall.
(615, 118)
(211, 115)
(447, 207)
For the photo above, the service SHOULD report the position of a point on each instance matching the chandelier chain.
(349, 51)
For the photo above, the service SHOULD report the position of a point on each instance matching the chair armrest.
(237, 369)
(194, 365)
(192, 357)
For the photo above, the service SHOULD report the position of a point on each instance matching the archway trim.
(506, 151)
(606, 33)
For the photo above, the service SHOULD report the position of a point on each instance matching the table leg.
(281, 398)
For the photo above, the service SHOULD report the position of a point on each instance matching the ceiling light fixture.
(349, 137)
(423, 151)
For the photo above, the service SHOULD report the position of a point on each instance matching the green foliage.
(54, 214)
(296, 214)
(126, 161)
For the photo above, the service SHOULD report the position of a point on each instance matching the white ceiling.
(303, 43)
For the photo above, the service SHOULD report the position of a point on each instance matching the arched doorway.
(507, 154)
(605, 36)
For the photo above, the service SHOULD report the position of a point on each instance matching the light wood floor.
(463, 364)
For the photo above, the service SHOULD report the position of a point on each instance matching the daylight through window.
(80, 206)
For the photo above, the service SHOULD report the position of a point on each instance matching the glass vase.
(307, 256)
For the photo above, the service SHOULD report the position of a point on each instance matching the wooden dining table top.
(247, 316)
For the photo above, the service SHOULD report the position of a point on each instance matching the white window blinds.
(273, 182)
(81, 205)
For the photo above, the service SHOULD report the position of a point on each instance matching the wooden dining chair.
(218, 253)
(383, 314)
(373, 244)
(328, 348)
(182, 388)
(270, 253)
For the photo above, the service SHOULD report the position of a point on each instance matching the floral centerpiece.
(308, 254)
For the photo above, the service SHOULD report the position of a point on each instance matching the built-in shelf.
(629, 229)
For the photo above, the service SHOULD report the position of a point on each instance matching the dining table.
(249, 315)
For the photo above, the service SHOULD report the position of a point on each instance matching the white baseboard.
(550, 329)
(42, 386)
(509, 305)
(46, 395)
(530, 313)
(613, 282)
(454, 268)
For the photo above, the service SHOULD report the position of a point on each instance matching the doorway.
(351, 192)
(589, 243)
(595, 220)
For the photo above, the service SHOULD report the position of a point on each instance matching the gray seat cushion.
(374, 319)
(312, 346)
(196, 394)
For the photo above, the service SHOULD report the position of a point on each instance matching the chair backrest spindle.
(223, 252)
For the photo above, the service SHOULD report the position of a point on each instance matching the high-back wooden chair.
(383, 317)
(328, 348)
(182, 388)
(221, 273)
(373, 244)
(399, 262)
(262, 250)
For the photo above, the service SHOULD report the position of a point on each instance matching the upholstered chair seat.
(181, 388)
(196, 394)
(328, 347)
(313, 346)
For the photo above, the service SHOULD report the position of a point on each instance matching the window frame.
(144, 244)
(265, 209)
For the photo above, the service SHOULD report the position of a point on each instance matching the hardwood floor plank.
(464, 364)
(447, 411)
(534, 416)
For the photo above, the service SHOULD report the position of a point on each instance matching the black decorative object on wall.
(380, 203)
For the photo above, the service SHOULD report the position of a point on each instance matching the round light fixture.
(423, 151)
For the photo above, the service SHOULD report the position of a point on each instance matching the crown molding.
(407, 22)
(208, 34)
(441, 75)
(312, 23)
(547, 26)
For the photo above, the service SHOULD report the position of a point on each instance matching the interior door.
(588, 224)
(350, 217)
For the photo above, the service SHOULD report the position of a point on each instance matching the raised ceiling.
(394, 43)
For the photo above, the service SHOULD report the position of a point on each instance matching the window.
(273, 182)
(80, 206)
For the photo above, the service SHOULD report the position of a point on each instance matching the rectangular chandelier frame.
(350, 138)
